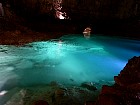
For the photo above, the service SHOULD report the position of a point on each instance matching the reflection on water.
(69, 60)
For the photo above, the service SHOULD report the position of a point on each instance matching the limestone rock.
(78, 9)
(130, 74)
(126, 90)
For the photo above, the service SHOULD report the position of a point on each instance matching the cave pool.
(70, 60)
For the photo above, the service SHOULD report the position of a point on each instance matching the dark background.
(107, 17)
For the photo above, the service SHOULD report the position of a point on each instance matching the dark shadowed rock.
(40, 102)
(89, 86)
(126, 90)
(130, 74)
(78, 9)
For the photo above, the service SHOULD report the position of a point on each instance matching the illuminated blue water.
(72, 59)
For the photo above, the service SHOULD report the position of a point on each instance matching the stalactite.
(1, 10)
(99, 9)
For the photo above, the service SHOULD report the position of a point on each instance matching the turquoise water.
(71, 59)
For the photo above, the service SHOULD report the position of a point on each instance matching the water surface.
(71, 59)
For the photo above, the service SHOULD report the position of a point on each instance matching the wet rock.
(89, 103)
(54, 83)
(126, 90)
(89, 86)
(60, 93)
(41, 95)
(57, 85)
(134, 86)
(40, 102)
(108, 100)
(130, 74)
(17, 97)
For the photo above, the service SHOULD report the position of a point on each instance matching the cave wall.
(98, 9)
(32, 7)
(102, 8)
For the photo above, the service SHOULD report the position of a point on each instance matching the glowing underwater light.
(3, 92)
(67, 58)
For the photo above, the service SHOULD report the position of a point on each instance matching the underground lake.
(69, 60)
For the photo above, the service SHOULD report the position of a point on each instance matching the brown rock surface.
(40, 24)
(40, 102)
(126, 90)
(130, 74)
(81, 8)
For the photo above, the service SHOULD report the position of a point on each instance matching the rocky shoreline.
(125, 91)
(53, 94)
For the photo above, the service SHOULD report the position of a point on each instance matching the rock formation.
(118, 17)
(1, 10)
(126, 90)
(97, 9)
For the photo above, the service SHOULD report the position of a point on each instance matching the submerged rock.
(60, 93)
(40, 102)
(51, 95)
(89, 86)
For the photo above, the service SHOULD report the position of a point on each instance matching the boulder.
(130, 74)
(126, 90)
(89, 86)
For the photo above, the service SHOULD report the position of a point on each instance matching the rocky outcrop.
(89, 86)
(126, 90)
(76, 9)
(130, 74)
(52, 94)
(102, 9)
(117, 17)
(1, 10)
